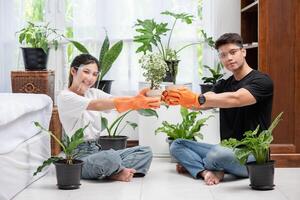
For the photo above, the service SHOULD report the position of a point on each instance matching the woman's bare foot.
(212, 177)
(125, 175)
(180, 169)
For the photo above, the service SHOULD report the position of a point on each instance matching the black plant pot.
(68, 176)
(104, 85)
(205, 88)
(116, 143)
(35, 59)
(172, 73)
(261, 175)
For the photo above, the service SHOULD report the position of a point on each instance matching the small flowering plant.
(155, 69)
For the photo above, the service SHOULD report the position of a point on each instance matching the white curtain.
(118, 17)
(10, 22)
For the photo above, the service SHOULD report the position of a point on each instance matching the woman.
(81, 104)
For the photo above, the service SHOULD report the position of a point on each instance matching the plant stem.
(168, 45)
(57, 140)
(118, 120)
(187, 46)
(162, 48)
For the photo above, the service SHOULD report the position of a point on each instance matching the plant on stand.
(256, 143)
(114, 139)
(189, 128)
(68, 169)
(215, 75)
(107, 57)
(150, 35)
(155, 69)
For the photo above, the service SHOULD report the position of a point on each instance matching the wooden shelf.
(251, 7)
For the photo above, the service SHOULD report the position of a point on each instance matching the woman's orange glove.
(138, 102)
(181, 96)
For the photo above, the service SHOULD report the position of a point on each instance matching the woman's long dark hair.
(82, 59)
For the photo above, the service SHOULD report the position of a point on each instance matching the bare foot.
(180, 169)
(212, 177)
(125, 175)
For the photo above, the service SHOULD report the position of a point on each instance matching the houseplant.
(150, 35)
(37, 41)
(155, 69)
(107, 57)
(256, 143)
(114, 140)
(68, 169)
(209, 81)
(189, 128)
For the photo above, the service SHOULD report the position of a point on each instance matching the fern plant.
(255, 143)
(189, 128)
(68, 146)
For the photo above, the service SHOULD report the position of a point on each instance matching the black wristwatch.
(201, 99)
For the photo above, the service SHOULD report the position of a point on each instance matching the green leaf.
(104, 49)
(80, 47)
(147, 112)
(132, 124)
(46, 163)
(109, 58)
(104, 124)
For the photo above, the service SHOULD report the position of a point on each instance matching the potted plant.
(189, 128)
(107, 57)
(68, 169)
(256, 143)
(114, 140)
(209, 81)
(151, 33)
(36, 41)
(155, 69)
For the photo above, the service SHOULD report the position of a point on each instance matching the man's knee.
(147, 151)
(219, 154)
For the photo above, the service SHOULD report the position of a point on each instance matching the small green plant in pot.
(68, 169)
(36, 41)
(114, 139)
(216, 74)
(256, 143)
(107, 57)
(189, 128)
(155, 69)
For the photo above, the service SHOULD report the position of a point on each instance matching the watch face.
(201, 99)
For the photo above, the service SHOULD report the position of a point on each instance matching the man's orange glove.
(138, 102)
(181, 96)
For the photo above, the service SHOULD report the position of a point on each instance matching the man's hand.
(181, 96)
(138, 102)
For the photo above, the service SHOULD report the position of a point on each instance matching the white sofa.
(23, 147)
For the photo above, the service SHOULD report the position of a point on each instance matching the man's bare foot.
(180, 169)
(125, 175)
(212, 177)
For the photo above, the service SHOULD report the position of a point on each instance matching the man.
(244, 99)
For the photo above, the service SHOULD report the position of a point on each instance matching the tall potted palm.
(256, 143)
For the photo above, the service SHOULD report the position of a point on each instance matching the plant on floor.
(114, 129)
(189, 128)
(68, 146)
(255, 143)
(155, 69)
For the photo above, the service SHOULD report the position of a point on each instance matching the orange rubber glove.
(138, 102)
(181, 96)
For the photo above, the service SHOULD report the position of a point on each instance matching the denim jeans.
(196, 157)
(99, 164)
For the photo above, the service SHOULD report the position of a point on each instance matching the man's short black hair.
(229, 38)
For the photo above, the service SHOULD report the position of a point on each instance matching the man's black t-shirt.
(234, 122)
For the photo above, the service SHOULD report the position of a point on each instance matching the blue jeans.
(99, 164)
(196, 157)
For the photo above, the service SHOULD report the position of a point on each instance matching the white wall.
(219, 17)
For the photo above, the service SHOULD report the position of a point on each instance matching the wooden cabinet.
(275, 25)
(249, 30)
(39, 82)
